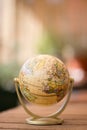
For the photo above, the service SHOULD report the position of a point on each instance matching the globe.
(45, 83)
(44, 80)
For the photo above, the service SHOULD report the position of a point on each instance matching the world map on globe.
(44, 80)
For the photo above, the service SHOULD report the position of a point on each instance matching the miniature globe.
(44, 80)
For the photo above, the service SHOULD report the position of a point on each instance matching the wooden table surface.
(75, 117)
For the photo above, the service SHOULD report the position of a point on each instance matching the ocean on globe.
(44, 80)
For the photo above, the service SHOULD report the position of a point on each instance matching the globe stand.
(45, 121)
(50, 119)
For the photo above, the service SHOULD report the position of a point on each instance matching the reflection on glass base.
(44, 121)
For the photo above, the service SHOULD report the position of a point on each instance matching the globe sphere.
(44, 80)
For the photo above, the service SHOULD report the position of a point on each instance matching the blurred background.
(30, 27)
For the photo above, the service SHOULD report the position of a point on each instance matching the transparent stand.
(47, 120)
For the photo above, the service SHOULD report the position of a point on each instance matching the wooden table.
(75, 117)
